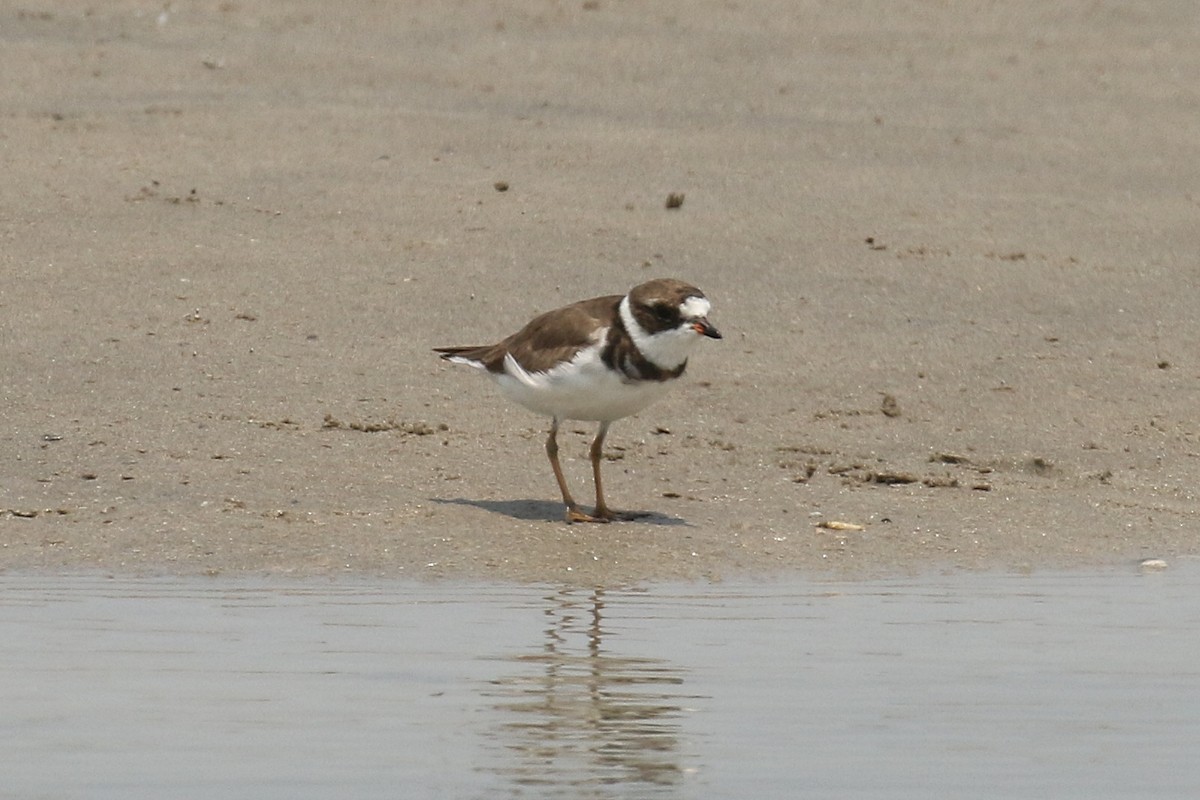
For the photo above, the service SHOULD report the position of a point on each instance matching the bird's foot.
(604, 514)
(575, 515)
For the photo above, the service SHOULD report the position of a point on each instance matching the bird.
(596, 360)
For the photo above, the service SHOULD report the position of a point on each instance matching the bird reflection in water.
(586, 717)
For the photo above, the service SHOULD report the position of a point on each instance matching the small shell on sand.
(835, 525)
(1152, 564)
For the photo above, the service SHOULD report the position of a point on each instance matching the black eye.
(663, 313)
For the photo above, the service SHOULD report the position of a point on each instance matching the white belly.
(584, 389)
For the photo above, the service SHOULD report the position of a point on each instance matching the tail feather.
(471, 356)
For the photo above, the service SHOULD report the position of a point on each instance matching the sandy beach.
(952, 248)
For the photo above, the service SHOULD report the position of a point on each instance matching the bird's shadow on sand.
(546, 510)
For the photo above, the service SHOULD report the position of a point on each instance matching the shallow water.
(968, 685)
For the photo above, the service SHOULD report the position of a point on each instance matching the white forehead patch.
(695, 307)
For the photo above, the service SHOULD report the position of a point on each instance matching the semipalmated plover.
(599, 360)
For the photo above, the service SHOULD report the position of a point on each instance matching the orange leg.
(573, 513)
(603, 512)
(597, 452)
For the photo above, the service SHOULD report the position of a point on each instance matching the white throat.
(665, 349)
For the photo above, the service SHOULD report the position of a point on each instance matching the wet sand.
(953, 251)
